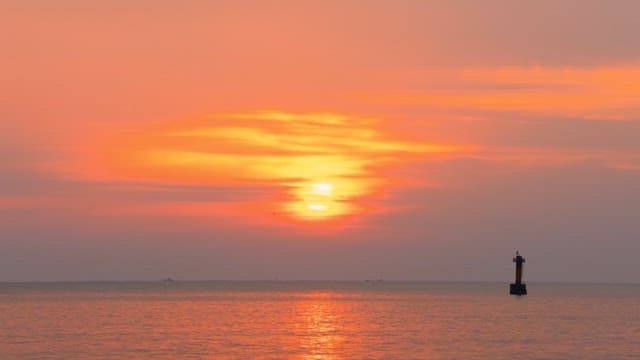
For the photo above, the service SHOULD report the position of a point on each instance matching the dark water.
(318, 320)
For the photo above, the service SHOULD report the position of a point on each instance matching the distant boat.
(168, 280)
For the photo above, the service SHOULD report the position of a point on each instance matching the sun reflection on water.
(322, 332)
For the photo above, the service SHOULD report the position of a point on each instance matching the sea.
(317, 320)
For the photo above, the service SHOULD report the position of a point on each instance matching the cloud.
(588, 92)
(293, 152)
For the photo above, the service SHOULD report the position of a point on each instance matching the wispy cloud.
(324, 165)
(594, 93)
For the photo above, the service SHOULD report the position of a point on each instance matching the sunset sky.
(347, 140)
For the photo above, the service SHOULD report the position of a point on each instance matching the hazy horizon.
(371, 281)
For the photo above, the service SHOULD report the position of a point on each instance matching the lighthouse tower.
(518, 288)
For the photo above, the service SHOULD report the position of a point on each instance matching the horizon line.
(575, 282)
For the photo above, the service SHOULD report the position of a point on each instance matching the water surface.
(318, 320)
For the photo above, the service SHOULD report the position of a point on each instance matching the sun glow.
(319, 201)
(317, 207)
(322, 166)
(319, 197)
(322, 189)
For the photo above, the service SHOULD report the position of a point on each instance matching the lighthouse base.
(518, 289)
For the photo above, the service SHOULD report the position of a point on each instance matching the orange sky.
(353, 134)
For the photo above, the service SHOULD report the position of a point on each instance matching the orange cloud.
(325, 165)
(597, 93)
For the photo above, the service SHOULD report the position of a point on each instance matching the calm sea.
(318, 320)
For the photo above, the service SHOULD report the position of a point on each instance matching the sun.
(323, 189)
(317, 200)
(317, 207)
(320, 194)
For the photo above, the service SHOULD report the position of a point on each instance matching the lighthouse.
(518, 288)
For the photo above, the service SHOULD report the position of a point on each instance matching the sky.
(319, 140)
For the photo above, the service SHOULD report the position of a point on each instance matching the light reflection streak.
(322, 330)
